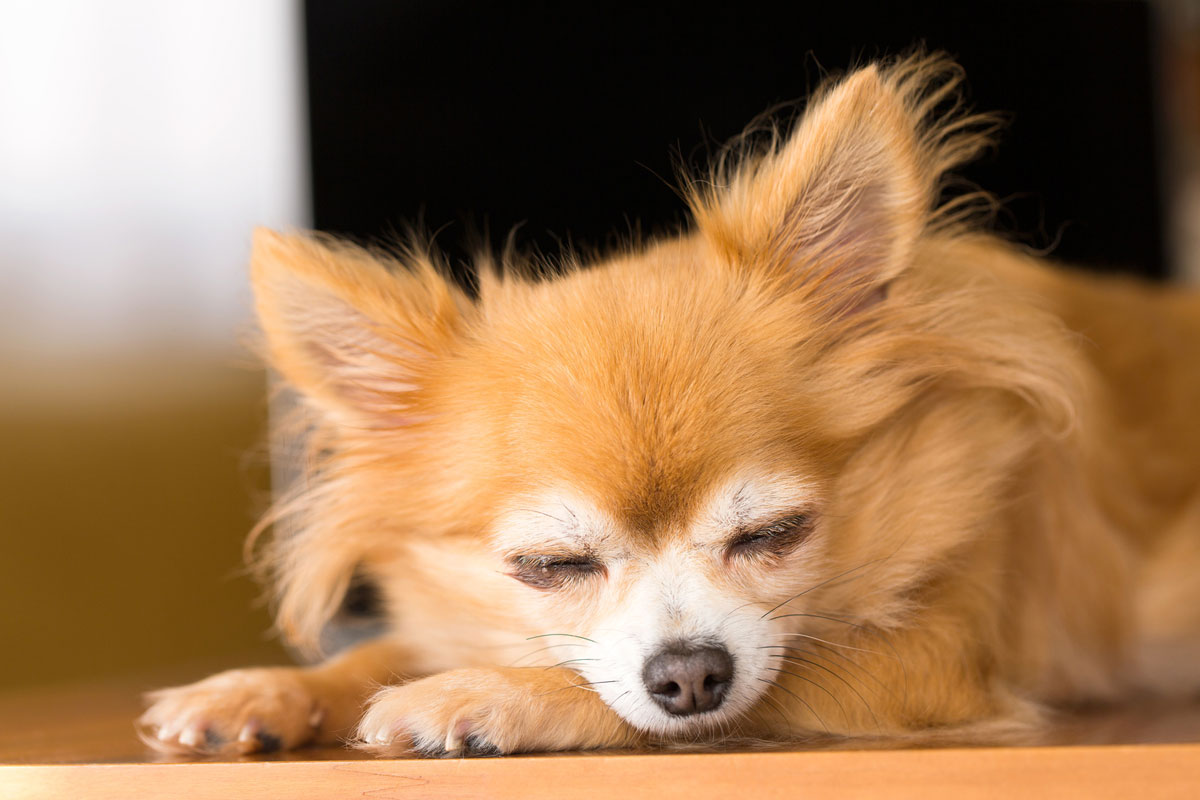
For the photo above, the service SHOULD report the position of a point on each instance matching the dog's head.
(686, 464)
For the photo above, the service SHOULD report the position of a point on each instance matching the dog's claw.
(192, 737)
(454, 738)
(168, 732)
(247, 739)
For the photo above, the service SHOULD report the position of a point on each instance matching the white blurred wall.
(140, 142)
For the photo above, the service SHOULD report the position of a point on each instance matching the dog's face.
(660, 481)
(679, 468)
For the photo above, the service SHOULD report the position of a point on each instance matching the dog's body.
(830, 462)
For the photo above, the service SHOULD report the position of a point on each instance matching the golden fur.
(999, 460)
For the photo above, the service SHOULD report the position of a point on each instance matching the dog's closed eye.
(777, 539)
(553, 572)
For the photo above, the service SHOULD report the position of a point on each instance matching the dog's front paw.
(239, 711)
(493, 711)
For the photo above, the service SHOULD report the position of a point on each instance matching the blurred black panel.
(567, 116)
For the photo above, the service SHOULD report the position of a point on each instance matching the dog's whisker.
(828, 581)
(585, 685)
(801, 652)
(544, 514)
(736, 609)
(832, 696)
(572, 635)
(762, 722)
(821, 616)
(783, 716)
(834, 644)
(804, 702)
(803, 662)
(570, 661)
(884, 640)
(824, 583)
(830, 647)
(544, 649)
(850, 661)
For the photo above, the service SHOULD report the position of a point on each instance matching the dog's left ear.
(837, 207)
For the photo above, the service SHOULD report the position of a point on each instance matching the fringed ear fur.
(838, 206)
(350, 329)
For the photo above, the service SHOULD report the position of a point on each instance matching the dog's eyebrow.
(749, 500)
(742, 503)
(551, 521)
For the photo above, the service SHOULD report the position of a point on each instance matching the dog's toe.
(238, 712)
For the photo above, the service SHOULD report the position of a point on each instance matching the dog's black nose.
(688, 679)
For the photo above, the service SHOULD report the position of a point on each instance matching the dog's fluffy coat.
(911, 477)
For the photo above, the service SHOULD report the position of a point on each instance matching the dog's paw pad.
(268, 743)
(431, 750)
(478, 747)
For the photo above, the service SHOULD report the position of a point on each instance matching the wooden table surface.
(79, 742)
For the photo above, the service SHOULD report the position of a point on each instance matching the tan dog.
(831, 461)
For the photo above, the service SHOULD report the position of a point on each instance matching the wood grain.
(78, 742)
(1131, 771)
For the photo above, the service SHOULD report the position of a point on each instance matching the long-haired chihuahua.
(833, 460)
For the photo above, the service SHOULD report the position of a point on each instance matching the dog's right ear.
(351, 330)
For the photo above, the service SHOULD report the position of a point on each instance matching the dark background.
(472, 117)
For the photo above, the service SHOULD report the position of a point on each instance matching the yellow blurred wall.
(126, 492)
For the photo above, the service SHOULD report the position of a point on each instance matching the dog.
(832, 461)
